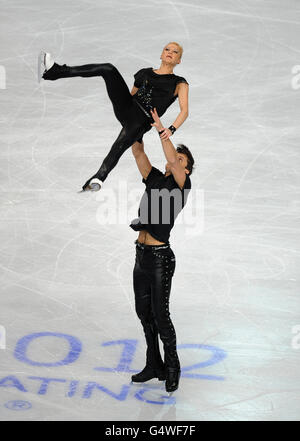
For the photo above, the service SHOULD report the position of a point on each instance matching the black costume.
(153, 272)
(132, 112)
(160, 204)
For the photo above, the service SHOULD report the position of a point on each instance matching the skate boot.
(147, 374)
(45, 62)
(93, 184)
(49, 70)
(172, 379)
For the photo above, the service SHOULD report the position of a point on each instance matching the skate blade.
(171, 392)
(146, 381)
(41, 65)
(139, 382)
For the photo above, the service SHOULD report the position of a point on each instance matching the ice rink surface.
(69, 335)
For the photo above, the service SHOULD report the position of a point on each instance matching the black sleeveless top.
(155, 90)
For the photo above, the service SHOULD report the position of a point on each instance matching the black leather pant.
(152, 277)
(134, 122)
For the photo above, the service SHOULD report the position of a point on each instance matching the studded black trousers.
(152, 277)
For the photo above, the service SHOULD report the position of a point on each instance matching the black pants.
(134, 122)
(152, 277)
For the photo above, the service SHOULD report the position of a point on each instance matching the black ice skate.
(172, 379)
(147, 374)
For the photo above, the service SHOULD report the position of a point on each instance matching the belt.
(143, 246)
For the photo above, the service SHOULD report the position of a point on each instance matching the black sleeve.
(181, 80)
(187, 184)
(138, 78)
(154, 173)
(186, 189)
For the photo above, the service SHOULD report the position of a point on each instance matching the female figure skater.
(153, 88)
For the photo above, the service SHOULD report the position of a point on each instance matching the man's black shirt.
(161, 203)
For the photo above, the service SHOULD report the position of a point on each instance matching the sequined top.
(156, 90)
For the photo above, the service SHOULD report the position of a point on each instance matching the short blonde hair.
(178, 45)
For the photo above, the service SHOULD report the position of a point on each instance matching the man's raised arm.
(141, 159)
(170, 153)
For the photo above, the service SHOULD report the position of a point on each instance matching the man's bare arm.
(142, 161)
(175, 166)
(170, 153)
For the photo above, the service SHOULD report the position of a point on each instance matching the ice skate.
(172, 380)
(93, 184)
(45, 62)
(148, 373)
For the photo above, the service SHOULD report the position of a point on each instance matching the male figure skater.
(164, 197)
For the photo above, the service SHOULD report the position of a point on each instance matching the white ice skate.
(45, 62)
(94, 185)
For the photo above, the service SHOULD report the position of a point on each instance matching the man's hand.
(166, 134)
(157, 122)
(159, 127)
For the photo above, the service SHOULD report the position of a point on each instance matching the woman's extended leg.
(116, 86)
(128, 135)
(132, 119)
